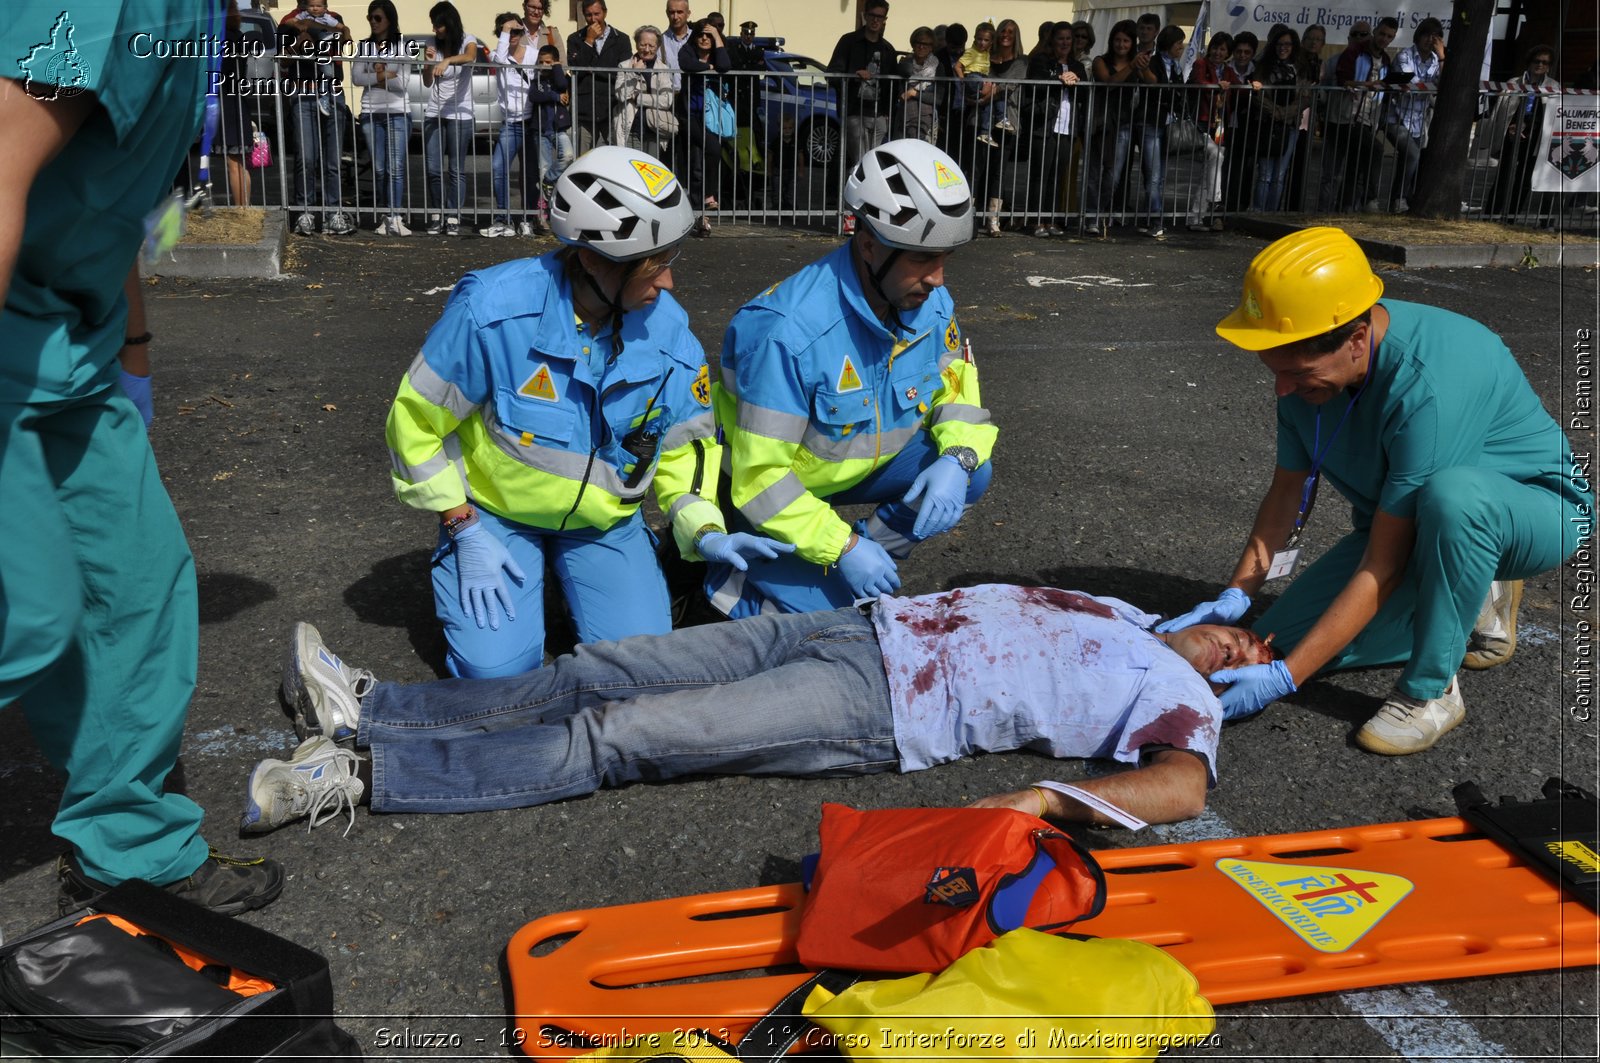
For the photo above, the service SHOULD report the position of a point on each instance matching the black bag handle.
(770, 1039)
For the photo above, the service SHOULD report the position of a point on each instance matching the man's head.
(1306, 310)
(747, 32)
(594, 13)
(1360, 34)
(956, 38)
(677, 17)
(1428, 31)
(874, 18)
(913, 206)
(1212, 647)
(1384, 35)
(1145, 30)
(1244, 48)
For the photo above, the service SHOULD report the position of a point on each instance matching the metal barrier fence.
(774, 147)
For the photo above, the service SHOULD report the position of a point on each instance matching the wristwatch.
(966, 457)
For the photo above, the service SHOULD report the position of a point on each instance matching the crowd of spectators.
(1070, 134)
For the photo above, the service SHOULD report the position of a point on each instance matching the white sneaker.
(1409, 725)
(339, 225)
(1005, 123)
(393, 226)
(322, 692)
(499, 228)
(435, 225)
(318, 781)
(1494, 633)
(306, 225)
(452, 226)
(527, 228)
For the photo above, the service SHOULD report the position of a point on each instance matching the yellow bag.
(1028, 995)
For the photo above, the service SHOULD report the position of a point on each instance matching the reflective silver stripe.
(774, 500)
(729, 381)
(896, 545)
(437, 390)
(774, 424)
(726, 596)
(567, 464)
(417, 474)
(701, 427)
(861, 446)
(960, 411)
(946, 358)
(678, 506)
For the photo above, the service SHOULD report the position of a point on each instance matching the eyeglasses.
(1538, 62)
(1359, 35)
(650, 271)
(376, 16)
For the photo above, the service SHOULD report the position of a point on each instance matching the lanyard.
(1308, 493)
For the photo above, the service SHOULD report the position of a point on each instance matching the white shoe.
(1494, 633)
(498, 229)
(1409, 725)
(318, 781)
(1005, 123)
(393, 226)
(322, 692)
(527, 228)
(305, 225)
(435, 225)
(339, 225)
(1401, 206)
(452, 226)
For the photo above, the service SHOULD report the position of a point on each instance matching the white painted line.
(1086, 280)
(1534, 635)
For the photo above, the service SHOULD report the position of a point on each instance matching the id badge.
(1283, 562)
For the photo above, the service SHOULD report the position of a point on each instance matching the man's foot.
(319, 781)
(394, 225)
(499, 228)
(225, 884)
(1409, 725)
(1494, 634)
(305, 225)
(435, 225)
(339, 225)
(452, 226)
(322, 692)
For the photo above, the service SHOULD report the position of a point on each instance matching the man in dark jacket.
(596, 45)
(867, 99)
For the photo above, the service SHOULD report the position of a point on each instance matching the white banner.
(1259, 16)
(1569, 146)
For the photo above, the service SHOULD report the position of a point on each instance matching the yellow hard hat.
(1303, 285)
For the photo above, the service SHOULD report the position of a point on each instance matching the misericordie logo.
(54, 69)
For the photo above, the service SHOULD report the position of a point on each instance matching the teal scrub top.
(1444, 392)
(65, 311)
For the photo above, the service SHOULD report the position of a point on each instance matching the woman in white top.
(447, 116)
(514, 56)
(385, 119)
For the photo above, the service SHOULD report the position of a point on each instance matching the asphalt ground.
(1134, 446)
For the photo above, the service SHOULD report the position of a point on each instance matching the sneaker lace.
(361, 682)
(338, 793)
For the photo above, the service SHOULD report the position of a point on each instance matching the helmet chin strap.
(614, 305)
(876, 277)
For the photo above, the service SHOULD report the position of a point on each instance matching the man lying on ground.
(906, 684)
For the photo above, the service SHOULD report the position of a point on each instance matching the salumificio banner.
(1337, 15)
(1569, 149)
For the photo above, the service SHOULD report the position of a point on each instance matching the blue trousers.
(1474, 526)
(514, 143)
(386, 140)
(775, 695)
(99, 629)
(316, 172)
(791, 584)
(612, 582)
(444, 145)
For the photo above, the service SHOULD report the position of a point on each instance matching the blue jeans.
(776, 695)
(512, 143)
(991, 110)
(1105, 170)
(790, 584)
(1272, 174)
(316, 172)
(1153, 162)
(457, 135)
(387, 135)
(555, 155)
(612, 582)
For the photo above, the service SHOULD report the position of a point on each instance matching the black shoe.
(227, 885)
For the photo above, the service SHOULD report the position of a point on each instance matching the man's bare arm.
(35, 132)
(1169, 787)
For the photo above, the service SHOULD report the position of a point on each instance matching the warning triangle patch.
(944, 176)
(540, 385)
(849, 379)
(655, 177)
(1329, 908)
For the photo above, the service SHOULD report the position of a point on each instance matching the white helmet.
(621, 203)
(911, 196)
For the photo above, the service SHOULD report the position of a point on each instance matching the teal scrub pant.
(1474, 526)
(99, 630)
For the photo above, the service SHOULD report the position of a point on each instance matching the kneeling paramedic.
(850, 382)
(550, 397)
(1460, 484)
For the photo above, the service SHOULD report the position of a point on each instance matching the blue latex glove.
(137, 388)
(479, 559)
(868, 569)
(943, 487)
(1252, 688)
(1229, 606)
(737, 549)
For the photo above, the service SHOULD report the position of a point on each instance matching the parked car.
(797, 92)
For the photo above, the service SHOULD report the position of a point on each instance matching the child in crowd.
(554, 119)
(974, 71)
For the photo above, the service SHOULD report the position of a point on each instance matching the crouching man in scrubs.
(905, 684)
(1461, 485)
